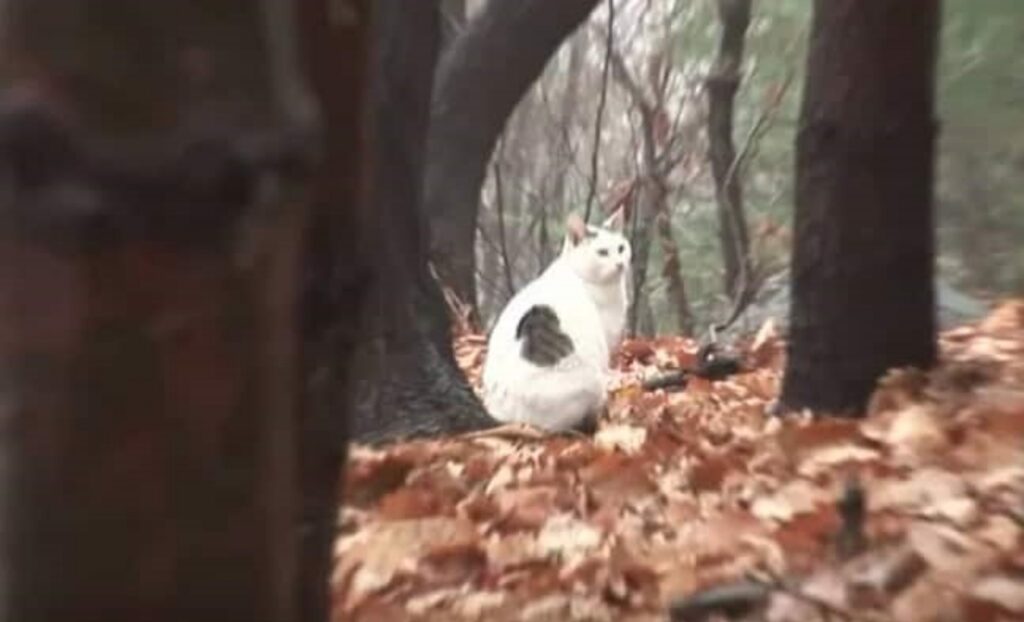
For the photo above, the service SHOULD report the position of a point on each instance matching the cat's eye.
(602, 252)
(622, 248)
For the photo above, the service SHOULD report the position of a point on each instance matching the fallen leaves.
(697, 497)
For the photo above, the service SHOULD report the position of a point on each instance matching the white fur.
(587, 288)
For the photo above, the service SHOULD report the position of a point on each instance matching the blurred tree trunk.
(409, 384)
(338, 269)
(722, 85)
(148, 361)
(481, 77)
(863, 299)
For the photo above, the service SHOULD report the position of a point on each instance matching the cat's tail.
(543, 342)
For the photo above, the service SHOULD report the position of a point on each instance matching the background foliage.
(545, 157)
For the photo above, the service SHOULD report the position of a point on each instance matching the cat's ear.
(617, 221)
(575, 230)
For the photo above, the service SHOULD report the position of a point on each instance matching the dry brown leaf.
(876, 577)
(476, 605)
(510, 551)
(371, 559)
(684, 490)
(924, 488)
(927, 600)
(1003, 591)
(783, 607)
(916, 432)
(530, 507)
(1006, 318)
(1003, 533)
(796, 497)
(949, 551)
(625, 438)
(568, 537)
(828, 459)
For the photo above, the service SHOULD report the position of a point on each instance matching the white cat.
(548, 354)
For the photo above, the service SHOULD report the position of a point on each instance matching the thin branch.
(602, 102)
(747, 288)
(625, 78)
(499, 203)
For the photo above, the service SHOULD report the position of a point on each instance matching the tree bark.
(410, 385)
(722, 86)
(338, 278)
(480, 79)
(862, 266)
(672, 272)
(147, 356)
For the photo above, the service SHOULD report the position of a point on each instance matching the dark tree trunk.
(409, 385)
(480, 79)
(338, 271)
(672, 271)
(722, 85)
(640, 237)
(863, 258)
(147, 355)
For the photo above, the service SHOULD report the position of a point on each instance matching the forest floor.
(695, 503)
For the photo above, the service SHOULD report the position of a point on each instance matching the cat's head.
(598, 255)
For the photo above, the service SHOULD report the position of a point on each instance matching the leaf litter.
(697, 504)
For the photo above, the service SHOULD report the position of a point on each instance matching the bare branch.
(602, 102)
(749, 277)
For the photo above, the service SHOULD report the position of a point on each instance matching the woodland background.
(234, 234)
(665, 51)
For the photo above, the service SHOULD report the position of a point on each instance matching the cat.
(549, 351)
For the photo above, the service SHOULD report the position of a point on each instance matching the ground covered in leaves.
(698, 504)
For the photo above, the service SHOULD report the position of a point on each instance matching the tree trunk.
(642, 233)
(338, 270)
(147, 356)
(480, 79)
(722, 85)
(410, 385)
(862, 266)
(672, 271)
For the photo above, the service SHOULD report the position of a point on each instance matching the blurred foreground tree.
(150, 247)
(863, 299)
(338, 271)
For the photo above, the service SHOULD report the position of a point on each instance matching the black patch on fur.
(544, 343)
